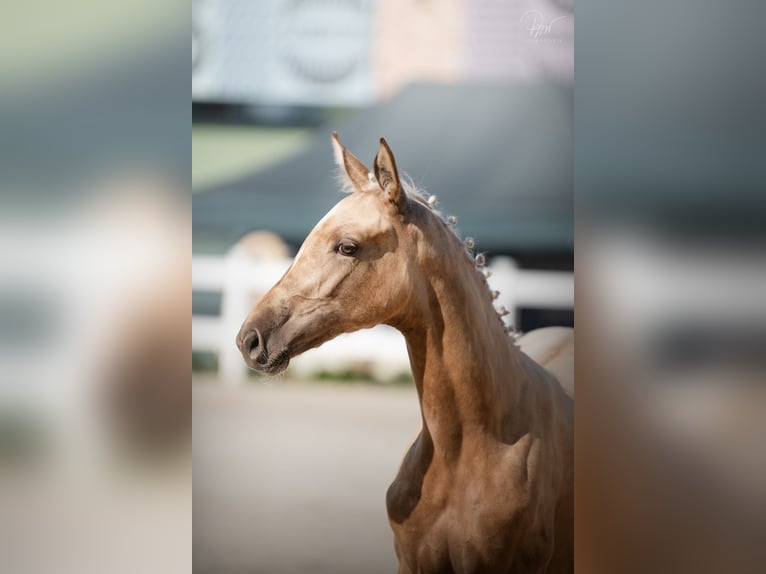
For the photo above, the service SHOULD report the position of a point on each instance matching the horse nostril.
(252, 344)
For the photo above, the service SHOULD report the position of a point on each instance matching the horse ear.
(388, 176)
(356, 174)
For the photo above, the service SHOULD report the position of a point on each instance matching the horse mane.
(479, 260)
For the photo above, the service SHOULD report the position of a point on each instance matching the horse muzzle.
(252, 345)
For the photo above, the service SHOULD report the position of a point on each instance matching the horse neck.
(467, 372)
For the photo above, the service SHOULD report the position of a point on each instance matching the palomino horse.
(487, 486)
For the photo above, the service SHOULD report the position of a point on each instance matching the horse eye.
(346, 248)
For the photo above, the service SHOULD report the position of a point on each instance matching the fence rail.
(241, 281)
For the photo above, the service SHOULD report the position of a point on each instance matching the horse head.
(354, 270)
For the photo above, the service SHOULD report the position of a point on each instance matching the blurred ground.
(291, 477)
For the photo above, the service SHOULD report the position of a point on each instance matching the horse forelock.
(345, 185)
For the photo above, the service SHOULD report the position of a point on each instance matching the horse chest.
(465, 520)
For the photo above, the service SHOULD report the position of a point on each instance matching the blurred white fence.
(242, 280)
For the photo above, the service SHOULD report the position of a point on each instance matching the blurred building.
(353, 52)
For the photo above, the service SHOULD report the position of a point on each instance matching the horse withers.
(487, 486)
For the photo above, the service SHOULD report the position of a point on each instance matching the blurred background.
(476, 100)
(95, 242)
(671, 276)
